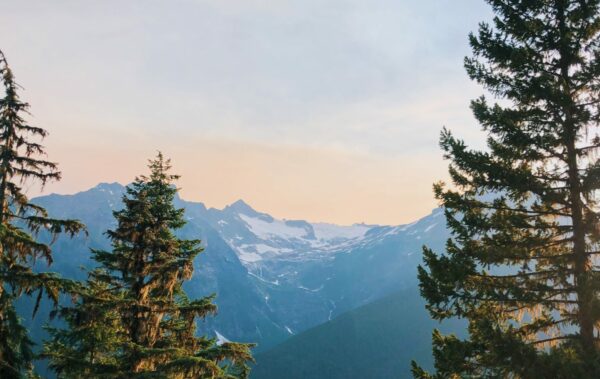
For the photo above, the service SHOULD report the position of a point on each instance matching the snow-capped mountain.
(308, 273)
(258, 236)
(273, 277)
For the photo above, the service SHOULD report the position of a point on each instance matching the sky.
(323, 110)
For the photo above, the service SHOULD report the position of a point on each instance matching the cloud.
(376, 79)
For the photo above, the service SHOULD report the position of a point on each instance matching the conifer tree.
(134, 320)
(21, 160)
(522, 263)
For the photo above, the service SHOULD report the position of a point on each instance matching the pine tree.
(134, 320)
(20, 222)
(521, 265)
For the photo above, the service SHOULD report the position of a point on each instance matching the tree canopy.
(134, 320)
(521, 265)
(22, 161)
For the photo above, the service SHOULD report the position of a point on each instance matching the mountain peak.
(109, 187)
(240, 206)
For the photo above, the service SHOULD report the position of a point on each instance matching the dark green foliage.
(377, 340)
(133, 319)
(521, 264)
(20, 222)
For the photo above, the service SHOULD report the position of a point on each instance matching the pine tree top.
(520, 265)
(138, 291)
(22, 160)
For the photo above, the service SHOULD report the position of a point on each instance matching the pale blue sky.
(299, 107)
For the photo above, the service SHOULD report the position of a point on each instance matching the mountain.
(310, 272)
(273, 278)
(377, 340)
(217, 270)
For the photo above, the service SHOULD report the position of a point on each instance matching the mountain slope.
(311, 272)
(377, 340)
(273, 278)
(242, 315)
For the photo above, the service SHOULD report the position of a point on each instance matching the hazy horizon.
(305, 110)
(279, 217)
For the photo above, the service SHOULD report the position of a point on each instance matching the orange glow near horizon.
(287, 182)
(322, 111)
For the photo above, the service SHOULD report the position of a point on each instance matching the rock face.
(274, 278)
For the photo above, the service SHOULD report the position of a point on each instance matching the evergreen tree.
(134, 320)
(521, 265)
(20, 222)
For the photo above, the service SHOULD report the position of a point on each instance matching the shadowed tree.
(134, 320)
(21, 160)
(521, 265)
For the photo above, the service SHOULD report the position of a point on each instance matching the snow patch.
(263, 249)
(325, 231)
(253, 252)
(331, 310)
(310, 290)
(276, 283)
(277, 228)
(220, 338)
(430, 227)
(249, 257)
(408, 226)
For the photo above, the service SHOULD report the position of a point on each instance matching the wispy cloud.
(373, 80)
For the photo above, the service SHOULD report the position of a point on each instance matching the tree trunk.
(582, 263)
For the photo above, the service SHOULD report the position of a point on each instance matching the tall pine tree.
(521, 265)
(134, 320)
(21, 160)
